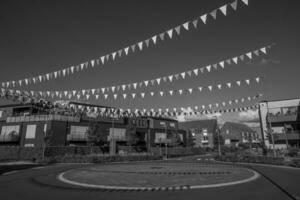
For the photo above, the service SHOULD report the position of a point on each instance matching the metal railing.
(32, 118)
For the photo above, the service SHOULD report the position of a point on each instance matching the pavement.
(41, 183)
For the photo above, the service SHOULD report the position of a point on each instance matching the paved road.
(41, 183)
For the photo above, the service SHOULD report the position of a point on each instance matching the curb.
(61, 178)
(259, 164)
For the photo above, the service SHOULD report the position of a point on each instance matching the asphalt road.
(41, 183)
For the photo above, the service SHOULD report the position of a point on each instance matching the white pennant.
(222, 64)
(196, 72)
(210, 87)
(183, 75)
(93, 91)
(234, 5)
(146, 83)
(103, 90)
(152, 94)
(142, 94)
(219, 86)
(170, 78)
(208, 68)
(257, 79)
(224, 9)
(238, 83)
(190, 90)
(134, 85)
(245, 2)
(203, 18)
(105, 96)
(126, 50)
(113, 88)
(154, 39)
(170, 33)
(114, 55)
(247, 81)
(97, 96)
(133, 95)
(263, 50)
(123, 87)
(235, 60)
(140, 45)
(249, 55)
(200, 89)
(161, 93)
(92, 63)
(102, 59)
(115, 96)
(228, 85)
(186, 26)
(124, 96)
(158, 80)
(171, 92)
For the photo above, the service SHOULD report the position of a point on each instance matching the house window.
(30, 131)
(28, 145)
(7, 130)
(1, 113)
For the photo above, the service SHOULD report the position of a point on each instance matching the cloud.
(249, 117)
(252, 124)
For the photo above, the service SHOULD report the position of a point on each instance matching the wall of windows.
(78, 130)
(8, 130)
(30, 131)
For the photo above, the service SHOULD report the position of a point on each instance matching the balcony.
(283, 118)
(289, 136)
(34, 118)
(9, 138)
(77, 137)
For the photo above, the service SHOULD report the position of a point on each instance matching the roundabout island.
(157, 176)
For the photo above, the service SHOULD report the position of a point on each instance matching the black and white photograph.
(150, 99)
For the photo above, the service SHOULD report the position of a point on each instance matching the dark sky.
(38, 37)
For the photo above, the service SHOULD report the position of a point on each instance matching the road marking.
(41, 167)
(11, 172)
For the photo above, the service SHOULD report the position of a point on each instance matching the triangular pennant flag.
(114, 55)
(124, 96)
(208, 68)
(238, 83)
(146, 83)
(223, 103)
(256, 52)
(222, 64)
(235, 60)
(154, 39)
(162, 36)
(234, 5)
(126, 50)
(171, 78)
(105, 96)
(177, 29)
(228, 85)
(123, 87)
(140, 44)
(113, 88)
(215, 66)
(219, 86)
(133, 47)
(152, 94)
(120, 52)
(180, 92)
(102, 59)
(170, 33)
(107, 57)
(210, 87)
(204, 18)
(103, 90)
(92, 63)
(257, 79)
(142, 94)
(245, 2)
(202, 70)
(158, 80)
(152, 82)
(190, 90)
(97, 96)
(147, 42)
(183, 75)
(263, 50)
(249, 55)
(93, 91)
(196, 71)
(200, 89)
(134, 85)
(165, 79)
(195, 23)
(189, 73)
(213, 14)
(242, 57)
(171, 92)
(133, 95)
(186, 25)
(176, 76)
(115, 96)
(161, 93)
(224, 9)
(247, 81)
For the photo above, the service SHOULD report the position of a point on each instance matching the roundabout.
(157, 176)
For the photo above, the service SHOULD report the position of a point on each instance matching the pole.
(219, 143)
(166, 142)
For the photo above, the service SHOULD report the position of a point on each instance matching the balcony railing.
(34, 118)
(77, 137)
(288, 136)
(9, 138)
(283, 118)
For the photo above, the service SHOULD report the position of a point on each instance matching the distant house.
(203, 131)
(237, 133)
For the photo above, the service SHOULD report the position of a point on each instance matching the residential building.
(280, 123)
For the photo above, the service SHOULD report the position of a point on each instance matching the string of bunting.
(169, 78)
(90, 111)
(130, 49)
(162, 93)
